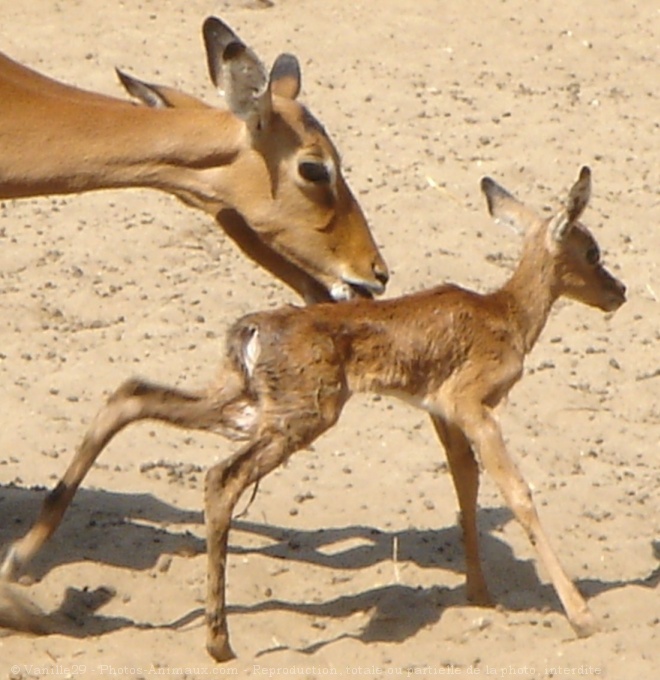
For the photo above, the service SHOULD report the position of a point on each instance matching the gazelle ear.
(145, 92)
(285, 78)
(578, 198)
(217, 36)
(505, 208)
(158, 96)
(238, 73)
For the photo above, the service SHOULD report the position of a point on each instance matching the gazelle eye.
(593, 255)
(314, 171)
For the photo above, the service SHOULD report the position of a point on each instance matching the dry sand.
(349, 560)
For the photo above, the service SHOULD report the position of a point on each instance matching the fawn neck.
(532, 289)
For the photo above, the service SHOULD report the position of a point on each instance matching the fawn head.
(563, 243)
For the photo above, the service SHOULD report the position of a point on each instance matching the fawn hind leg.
(225, 482)
(134, 400)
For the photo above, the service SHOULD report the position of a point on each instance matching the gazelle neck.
(57, 139)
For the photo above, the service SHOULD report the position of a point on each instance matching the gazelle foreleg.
(465, 474)
(134, 400)
(484, 434)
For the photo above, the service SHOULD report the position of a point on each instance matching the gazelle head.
(561, 244)
(284, 179)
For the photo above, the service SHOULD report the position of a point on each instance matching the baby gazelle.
(288, 373)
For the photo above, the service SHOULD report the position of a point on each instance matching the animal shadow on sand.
(132, 531)
(128, 530)
(397, 611)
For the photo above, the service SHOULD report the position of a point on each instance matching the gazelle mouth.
(361, 291)
(349, 290)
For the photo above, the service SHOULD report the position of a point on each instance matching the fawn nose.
(617, 296)
(621, 289)
(618, 288)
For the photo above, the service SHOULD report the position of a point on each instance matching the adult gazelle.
(264, 167)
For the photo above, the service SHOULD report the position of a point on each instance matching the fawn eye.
(314, 171)
(593, 255)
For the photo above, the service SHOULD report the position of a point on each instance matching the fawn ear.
(505, 208)
(578, 198)
(285, 78)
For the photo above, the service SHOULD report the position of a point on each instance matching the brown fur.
(288, 373)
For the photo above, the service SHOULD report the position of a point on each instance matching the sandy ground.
(349, 560)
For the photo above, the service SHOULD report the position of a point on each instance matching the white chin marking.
(341, 291)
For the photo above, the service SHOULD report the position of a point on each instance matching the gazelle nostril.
(381, 274)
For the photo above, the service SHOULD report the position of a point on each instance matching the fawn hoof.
(19, 613)
(220, 649)
(481, 600)
(11, 566)
(479, 596)
(586, 625)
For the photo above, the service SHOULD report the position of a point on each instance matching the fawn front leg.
(465, 474)
(482, 430)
